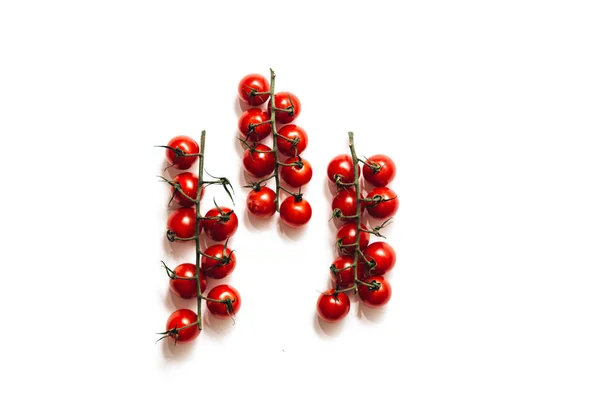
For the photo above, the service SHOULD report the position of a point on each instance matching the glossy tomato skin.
(259, 163)
(341, 165)
(283, 100)
(179, 319)
(384, 175)
(346, 235)
(382, 254)
(344, 278)
(295, 213)
(186, 288)
(375, 298)
(292, 132)
(296, 176)
(181, 222)
(250, 83)
(261, 202)
(189, 185)
(223, 292)
(223, 229)
(216, 269)
(386, 208)
(332, 308)
(345, 201)
(186, 144)
(254, 116)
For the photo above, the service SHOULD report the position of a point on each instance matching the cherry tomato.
(251, 84)
(382, 254)
(291, 132)
(181, 223)
(344, 278)
(386, 208)
(259, 163)
(296, 176)
(179, 319)
(295, 213)
(183, 145)
(341, 165)
(346, 236)
(289, 102)
(254, 116)
(223, 228)
(381, 175)
(375, 298)
(333, 308)
(186, 288)
(261, 202)
(345, 201)
(220, 268)
(223, 310)
(188, 182)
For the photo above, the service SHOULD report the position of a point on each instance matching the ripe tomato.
(289, 102)
(296, 176)
(223, 228)
(251, 84)
(345, 201)
(346, 236)
(181, 223)
(382, 254)
(295, 213)
(258, 163)
(254, 116)
(220, 268)
(186, 288)
(261, 202)
(183, 145)
(382, 175)
(179, 319)
(387, 207)
(291, 132)
(344, 278)
(375, 298)
(341, 165)
(188, 182)
(223, 310)
(332, 308)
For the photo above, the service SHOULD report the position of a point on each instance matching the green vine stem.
(274, 133)
(196, 227)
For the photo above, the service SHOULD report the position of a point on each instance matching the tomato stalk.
(197, 228)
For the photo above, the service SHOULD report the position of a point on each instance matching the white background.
(490, 110)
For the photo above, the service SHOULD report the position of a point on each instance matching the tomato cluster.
(361, 264)
(281, 160)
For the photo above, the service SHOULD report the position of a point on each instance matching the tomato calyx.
(372, 165)
(179, 153)
(339, 181)
(174, 332)
(337, 213)
(172, 237)
(375, 230)
(225, 259)
(223, 181)
(173, 275)
(375, 200)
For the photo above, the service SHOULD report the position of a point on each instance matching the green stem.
(196, 228)
(357, 192)
(275, 134)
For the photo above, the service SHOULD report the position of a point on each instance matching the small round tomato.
(291, 132)
(249, 124)
(183, 145)
(383, 257)
(186, 288)
(296, 176)
(221, 265)
(295, 211)
(227, 309)
(345, 277)
(181, 223)
(346, 238)
(375, 297)
(380, 171)
(222, 228)
(289, 102)
(345, 201)
(261, 202)
(179, 319)
(252, 84)
(188, 182)
(341, 166)
(259, 161)
(387, 207)
(333, 307)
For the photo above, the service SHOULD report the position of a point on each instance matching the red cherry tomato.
(254, 117)
(251, 84)
(295, 213)
(296, 176)
(291, 132)
(344, 278)
(289, 102)
(183, 145)
(222, 266)
(375, 298)
(224, 310)
(341, 165)
(178, 320)
(186, 288)
(261, 202)
(383, 174)
(346, 236)
(181, 223)
(188, 182)
(382, 254)
(222, 228)
(333, 308)
(259, 163)
(345, 201)
(386, 208)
